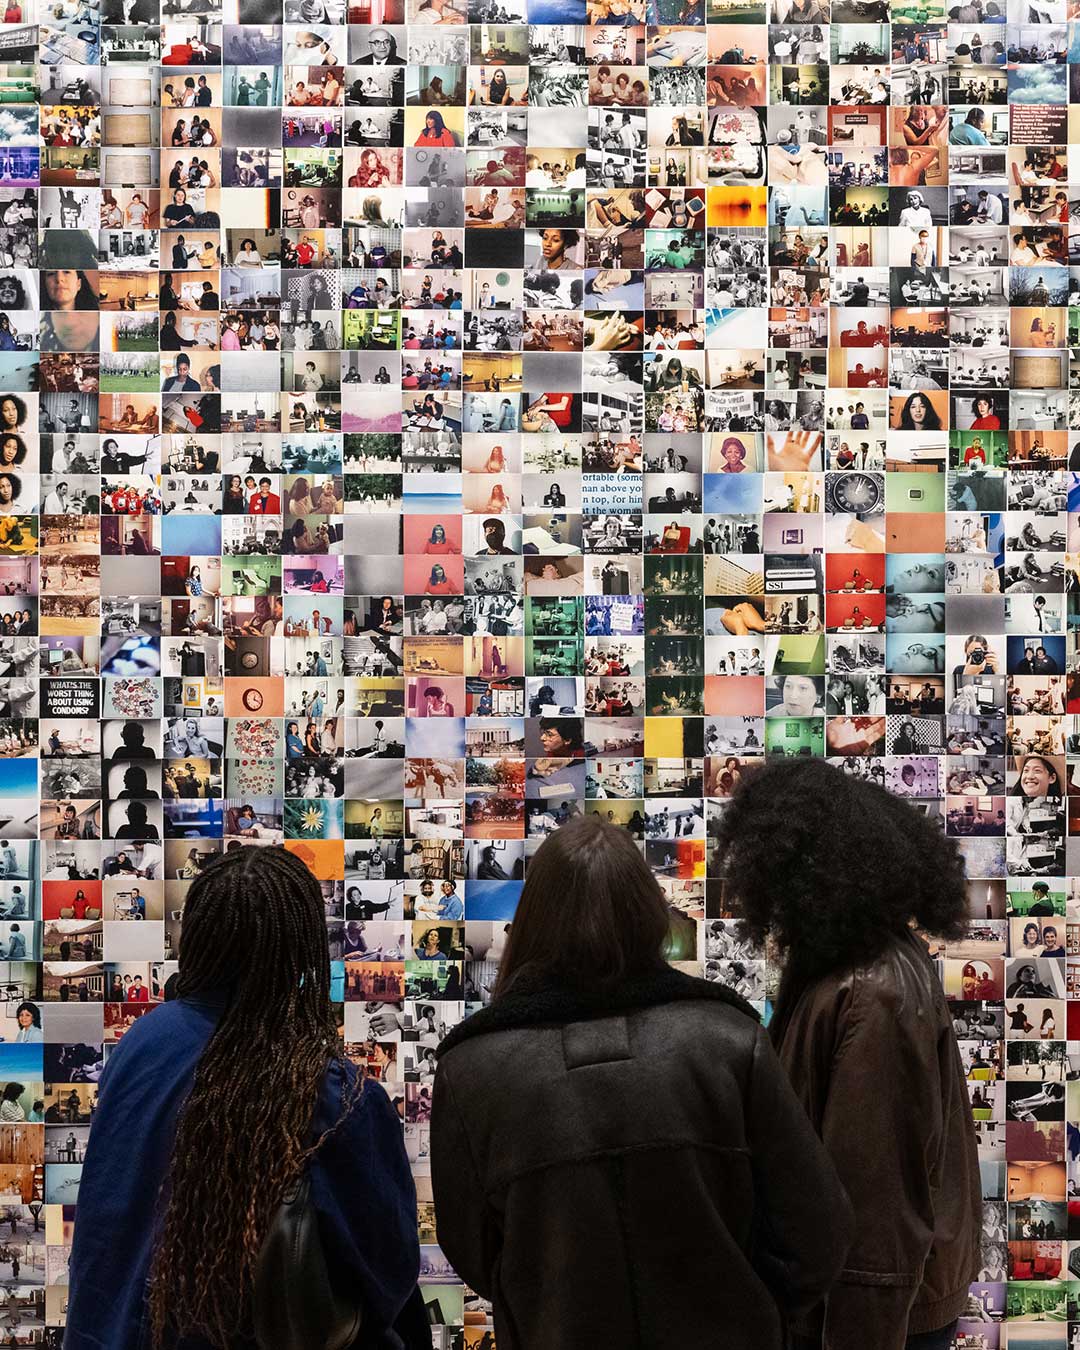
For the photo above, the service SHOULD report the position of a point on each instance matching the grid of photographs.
(413, 440)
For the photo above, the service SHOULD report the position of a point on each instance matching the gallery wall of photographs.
(413, 440)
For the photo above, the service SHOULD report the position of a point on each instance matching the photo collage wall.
(410, 441)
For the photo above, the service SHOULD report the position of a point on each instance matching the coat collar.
(535, 1003)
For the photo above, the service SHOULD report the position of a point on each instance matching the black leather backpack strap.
(294, 1303)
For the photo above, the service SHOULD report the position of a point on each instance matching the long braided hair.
(253, 925)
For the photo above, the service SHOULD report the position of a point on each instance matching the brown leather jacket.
(872, 1056)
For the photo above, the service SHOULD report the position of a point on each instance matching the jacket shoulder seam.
(619, 1151)
(900, 1278)
(855, 1015)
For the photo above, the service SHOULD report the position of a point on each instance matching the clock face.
(253, 700)
(249, 661)
(854, 492)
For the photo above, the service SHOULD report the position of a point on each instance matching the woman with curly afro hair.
(840, 877)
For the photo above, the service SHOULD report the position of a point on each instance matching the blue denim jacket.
(361, 1186)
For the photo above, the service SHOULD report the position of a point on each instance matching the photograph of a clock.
(855, 493)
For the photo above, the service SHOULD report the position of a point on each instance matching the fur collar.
(535, 1004)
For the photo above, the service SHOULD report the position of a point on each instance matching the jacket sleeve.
(465, 1225)
(880, 1125)
(803, 1221)
(363, 1190)
(412, 1327)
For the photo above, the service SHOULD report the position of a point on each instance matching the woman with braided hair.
(210, 1106)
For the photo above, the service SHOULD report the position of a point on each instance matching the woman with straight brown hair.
(617, 1157)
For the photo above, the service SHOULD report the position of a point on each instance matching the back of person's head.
(831, 868)
(254, 935)
(591, 912)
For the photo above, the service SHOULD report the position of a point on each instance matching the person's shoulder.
(178, 1023)
(707, 1013)
(669, 997)
(827, 1001)
(899, 984)
(359, 1103)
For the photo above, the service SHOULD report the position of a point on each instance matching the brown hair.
(591, 912)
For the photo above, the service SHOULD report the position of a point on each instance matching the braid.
(253, 923)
